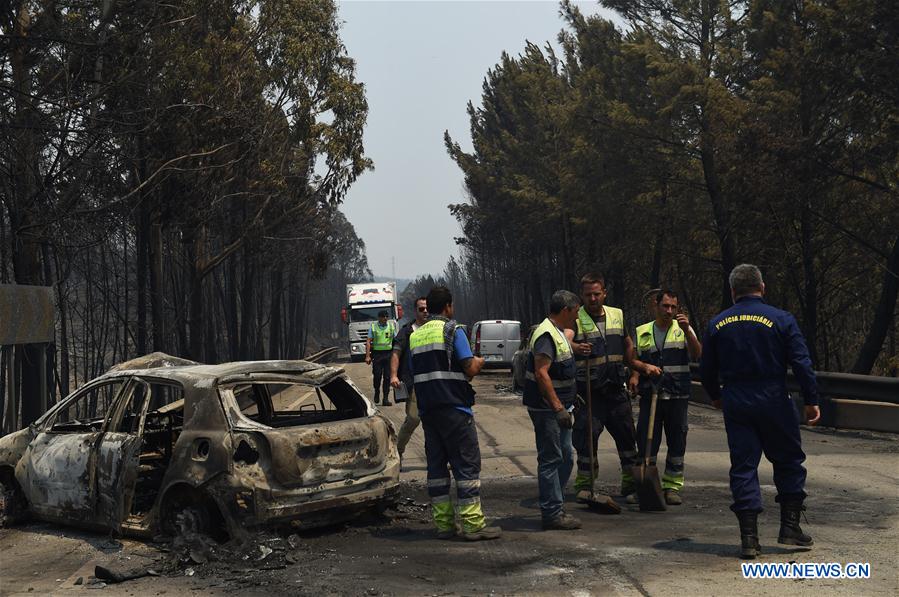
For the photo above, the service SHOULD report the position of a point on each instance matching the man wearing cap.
(378, 348)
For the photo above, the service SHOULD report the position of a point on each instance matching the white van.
(496, 340)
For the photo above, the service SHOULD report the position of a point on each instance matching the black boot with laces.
(790, 531)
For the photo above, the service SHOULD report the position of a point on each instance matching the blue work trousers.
(762, 420)
(451, 442)
(555, 460)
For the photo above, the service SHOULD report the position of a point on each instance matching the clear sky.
(421, 63)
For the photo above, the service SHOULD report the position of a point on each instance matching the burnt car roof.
(165, 366)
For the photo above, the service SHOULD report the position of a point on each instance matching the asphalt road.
(690, 549)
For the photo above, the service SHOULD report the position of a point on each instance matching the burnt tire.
(189, 513)
(13, 505)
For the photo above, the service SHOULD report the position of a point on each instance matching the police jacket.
(437, 374)
(672, 358)
(561, 371)
(748, 347)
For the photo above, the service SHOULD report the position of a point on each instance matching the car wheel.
(190, 513)
(13, 506)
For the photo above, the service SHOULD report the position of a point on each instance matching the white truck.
(364, 302)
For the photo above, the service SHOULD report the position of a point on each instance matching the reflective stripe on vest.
(610, 345)
(381, 338)
(438, 382)
(561, 371)
(673, 359)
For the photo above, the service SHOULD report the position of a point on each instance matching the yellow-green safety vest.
(561, 371)
(673, 359)
(382, 337)
(439, 379)
(607, 356)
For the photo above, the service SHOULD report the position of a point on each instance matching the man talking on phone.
(669, 343)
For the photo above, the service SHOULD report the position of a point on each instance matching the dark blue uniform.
(748, 348)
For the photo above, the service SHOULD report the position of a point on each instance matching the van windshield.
(368, 313)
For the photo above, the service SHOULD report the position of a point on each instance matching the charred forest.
(695, 136)
(174, 172)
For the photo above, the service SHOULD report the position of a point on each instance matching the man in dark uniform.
(747, 349)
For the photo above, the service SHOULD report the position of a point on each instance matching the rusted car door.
(118, 454)
(57, 471)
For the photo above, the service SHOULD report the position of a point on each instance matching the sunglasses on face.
(422, 309)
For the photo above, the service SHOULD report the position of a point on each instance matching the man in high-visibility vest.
(668, 342)
(378, 348)
(549, 394)
(442, 364)
(601, 338)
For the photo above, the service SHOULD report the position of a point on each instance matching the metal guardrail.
(322, 355)
(843, 385)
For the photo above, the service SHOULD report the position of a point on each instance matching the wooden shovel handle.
(651, 428)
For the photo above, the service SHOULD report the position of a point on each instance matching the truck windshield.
(367, 313)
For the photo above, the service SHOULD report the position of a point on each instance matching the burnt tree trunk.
(197, 265)
(810, 302)
(156, 284)
(275, 323)
(707, 151)
(247, 306)
(883, 315)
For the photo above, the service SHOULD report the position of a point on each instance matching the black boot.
(790, 531)
(749, 534)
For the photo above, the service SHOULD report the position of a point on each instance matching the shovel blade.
(649, 488)
(602, 504)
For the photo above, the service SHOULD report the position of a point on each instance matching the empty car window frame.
(320, 402)
(52, 423)
(155, 395)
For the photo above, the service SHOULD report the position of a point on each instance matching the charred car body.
(159, 443)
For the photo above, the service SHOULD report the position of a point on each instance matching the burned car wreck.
(158, 444)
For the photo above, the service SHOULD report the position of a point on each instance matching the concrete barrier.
(860, 414)
(839, 413)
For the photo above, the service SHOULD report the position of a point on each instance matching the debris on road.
(114, 576)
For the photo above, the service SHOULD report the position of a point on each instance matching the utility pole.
(393, 266)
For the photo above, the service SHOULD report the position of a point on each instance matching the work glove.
(566, 421)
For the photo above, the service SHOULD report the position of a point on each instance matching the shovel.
(649, 488)
(595, 501)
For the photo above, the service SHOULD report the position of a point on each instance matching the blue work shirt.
(748, 348)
